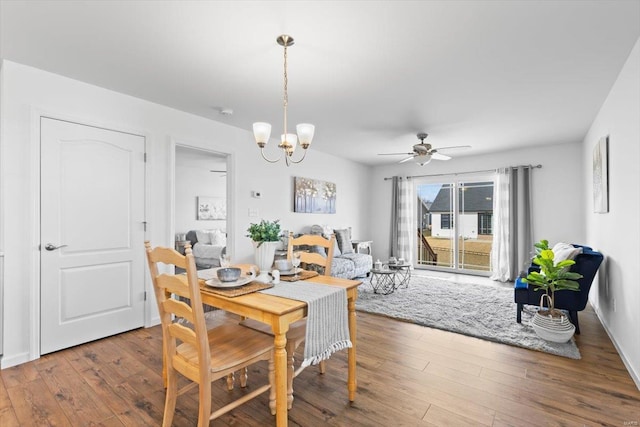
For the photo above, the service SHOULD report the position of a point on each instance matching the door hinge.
(145, 295)
(145, 157)
(144, 224)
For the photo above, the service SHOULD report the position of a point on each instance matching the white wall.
(558, 194)
(26, 91)
(617, 233)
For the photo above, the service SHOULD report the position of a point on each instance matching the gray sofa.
(345, 263)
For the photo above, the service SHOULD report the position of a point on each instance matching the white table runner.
(327, 317)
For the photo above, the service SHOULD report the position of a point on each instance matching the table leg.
(352, 384)
(280, 362)
(406, 277)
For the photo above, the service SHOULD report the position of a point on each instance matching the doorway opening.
(201, 203)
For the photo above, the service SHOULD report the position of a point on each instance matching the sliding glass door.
(455, 223)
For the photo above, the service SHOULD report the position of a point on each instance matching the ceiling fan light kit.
(424, 153)
(288, 141)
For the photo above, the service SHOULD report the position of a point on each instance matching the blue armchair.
(587, 264)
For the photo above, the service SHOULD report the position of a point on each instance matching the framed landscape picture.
(211, 208)
(313, 196)
(601, 176)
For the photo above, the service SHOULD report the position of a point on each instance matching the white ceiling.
(369, 74)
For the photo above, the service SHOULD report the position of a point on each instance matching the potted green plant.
(266, 238)
(549, 323)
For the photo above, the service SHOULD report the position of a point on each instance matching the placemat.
(236, 292)
(302, 275)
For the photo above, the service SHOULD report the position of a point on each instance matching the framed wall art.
(601, 176)
(313, 196)
(212, 208)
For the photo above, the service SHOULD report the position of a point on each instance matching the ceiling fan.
(423, 153)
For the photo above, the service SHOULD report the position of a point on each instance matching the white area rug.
(482, 311)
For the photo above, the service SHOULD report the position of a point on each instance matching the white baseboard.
(153, 322)
(14, 360)
(635, 376)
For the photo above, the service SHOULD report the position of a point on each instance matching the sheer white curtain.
(513, 228)
(500, 265)
(402, 219)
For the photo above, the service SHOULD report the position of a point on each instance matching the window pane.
(435, 221)
(475, 212)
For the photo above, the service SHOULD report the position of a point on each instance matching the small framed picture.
(212, 208)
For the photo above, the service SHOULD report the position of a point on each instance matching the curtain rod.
(462, 173)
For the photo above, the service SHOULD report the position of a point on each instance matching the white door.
(92, 233)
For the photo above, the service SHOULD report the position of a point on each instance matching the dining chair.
(316, 250)
(202, 355)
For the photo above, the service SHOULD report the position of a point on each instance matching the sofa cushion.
(203, 237)
(218, 237)
(343, 237)
(342, 267)
(362, 263)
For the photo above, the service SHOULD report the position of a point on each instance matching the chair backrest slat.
(179, 308)
(168, 256)
(174, 284)
(183, 333)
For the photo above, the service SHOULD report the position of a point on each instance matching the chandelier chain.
(286, 95)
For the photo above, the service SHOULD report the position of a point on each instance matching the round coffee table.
(383, 281)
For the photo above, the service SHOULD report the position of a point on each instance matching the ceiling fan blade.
(395, 154)
(407, 159)
(438, 156)
(453, 147)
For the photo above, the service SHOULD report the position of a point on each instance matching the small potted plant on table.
(548, 323)
(266, 239)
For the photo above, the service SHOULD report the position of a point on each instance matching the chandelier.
(288, 141)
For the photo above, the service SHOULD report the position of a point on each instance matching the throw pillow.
(218, 238)
(203, 237)
(319, 231)
(344, 241)
(336, 247)
(563, 251)
(318, 250)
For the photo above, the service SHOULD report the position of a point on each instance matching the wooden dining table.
(280, 313)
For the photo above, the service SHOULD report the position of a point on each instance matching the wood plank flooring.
(408, 375)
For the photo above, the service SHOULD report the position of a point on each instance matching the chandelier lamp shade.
(288, 141)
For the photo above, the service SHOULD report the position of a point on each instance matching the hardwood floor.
(408, 375)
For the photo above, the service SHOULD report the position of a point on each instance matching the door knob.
(51, 247)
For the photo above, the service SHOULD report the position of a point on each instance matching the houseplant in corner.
(548, 323)
(266, 239)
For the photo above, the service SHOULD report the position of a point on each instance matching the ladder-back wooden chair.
(190, 349)
(319, 250)
(297, 331)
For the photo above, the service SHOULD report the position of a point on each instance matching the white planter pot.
(265, 254)
(553, 329)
